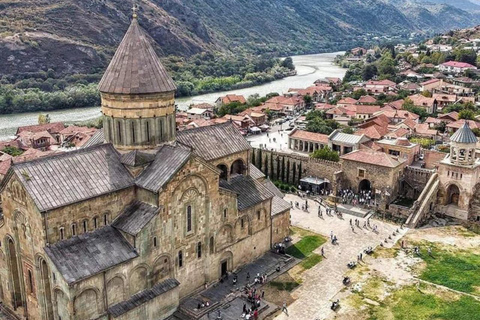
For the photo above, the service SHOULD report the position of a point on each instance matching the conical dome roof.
(135, 67)
(464, 135)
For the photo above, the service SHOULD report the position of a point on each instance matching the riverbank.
(309, 68)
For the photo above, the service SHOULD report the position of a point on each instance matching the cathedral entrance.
(15, 274)
(224, 268)
(453, 194)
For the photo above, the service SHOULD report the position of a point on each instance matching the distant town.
(318, 202)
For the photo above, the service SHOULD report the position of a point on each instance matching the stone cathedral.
(141, 217)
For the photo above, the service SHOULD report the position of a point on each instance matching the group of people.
(254, 298)
(364, 197)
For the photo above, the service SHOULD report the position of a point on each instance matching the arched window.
(211, 245)
(189, 218)
(258, 215)
(62, 233)
(105, 219)
(95, 223)
(30, 282)
(133, 131)
(85, 226)
(119, 129)
(224, 213)
(180, 259)
(199, 250)
(147, 129)
(155, 241)
(74, 229)
(241, 223)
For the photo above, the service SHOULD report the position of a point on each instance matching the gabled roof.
(88, 254)
(214, 142)
(367, 99)
(249, 192)
(142, 297)
(464, 135)
(168, 161)
(135, 67)
(71, 177)
(310, 136)
(372, 157)
(54, 127)
(279, 205)
(135, 217)
(255, 173)
(340, 137)
(137, 158)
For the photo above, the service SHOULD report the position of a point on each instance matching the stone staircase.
(421, 206)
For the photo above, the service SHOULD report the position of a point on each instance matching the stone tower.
(462, 146)
(138, 95)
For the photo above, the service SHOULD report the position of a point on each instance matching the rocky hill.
(70, 36)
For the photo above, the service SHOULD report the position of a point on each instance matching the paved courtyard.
(277, 139)
(324, 281)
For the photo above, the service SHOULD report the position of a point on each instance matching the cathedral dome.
(464, 135)
(135, 67)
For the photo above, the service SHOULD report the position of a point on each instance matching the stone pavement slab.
(324, 281)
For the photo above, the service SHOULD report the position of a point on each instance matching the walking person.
(284, 308)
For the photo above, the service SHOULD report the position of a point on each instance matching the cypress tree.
(266, 165)
(299, 173)
(272, 172)
(294, 173)
(253, 157)
(288, 171)
(260, 159)
(278, 168)
(283, 169)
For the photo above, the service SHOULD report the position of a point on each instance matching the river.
(309, 68)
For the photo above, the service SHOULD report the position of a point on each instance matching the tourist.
(284, 308)
(322, 252)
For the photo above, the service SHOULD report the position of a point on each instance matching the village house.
(345, 143)
(429, 104)
(376, 87)
(401, 148)
(455, 67)
(230, 98)
(199, 113)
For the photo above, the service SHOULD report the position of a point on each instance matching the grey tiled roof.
(137, 158)
(464, 135)
(255, 173)
(135, 67)
(167, 162)
(142, 297)
(135, 217)
(88, 254)
(96, 139)
(213, 142)
(71, 177)
(273, 189)
(279, 205)
(249, 191)
(340, 137)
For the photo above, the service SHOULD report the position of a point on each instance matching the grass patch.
(284, 286)
(410, 303)
(456, 270)
(311, 261)
(305, 246)
(303, 249)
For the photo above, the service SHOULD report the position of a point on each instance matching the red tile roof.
(373, 132)
(372, 157)
(55, 127)
(347, 100)
(229, 98)
(311, 136)
(367, 99)
(456, 64)
(459, 123)
(324, 106)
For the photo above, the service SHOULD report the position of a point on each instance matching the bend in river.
(309, 68)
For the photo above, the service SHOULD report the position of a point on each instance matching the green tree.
(348, 130)
(13, 151)
(369, 71)
(288, 63)
(326, 154)
(43, 118)
(466, 114)
(359, 93)
(308, 100)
